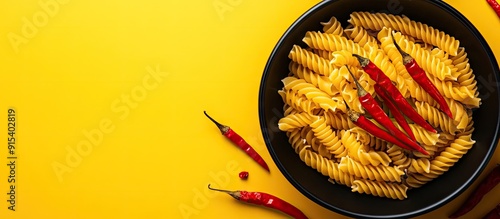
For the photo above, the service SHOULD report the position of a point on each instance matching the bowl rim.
(310, 196)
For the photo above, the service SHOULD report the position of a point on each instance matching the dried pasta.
(318, 90)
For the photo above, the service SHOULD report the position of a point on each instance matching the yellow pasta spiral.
(435, 117)
(310, 60)
(450, 155)
(295, 139)
(380, 189)
(398, 157)
(361, 36)
(378, 173)
(314, 94)
(315, 143)
(325, 135)
(332, 26)
(421, 165)
(297, 101)
(320, 81)
(359, 152)
(344, 57)
(430, 35)
(295, 121)
(466, 77)
(325, 166)
(323, 53)
(338, 120)
(423, 136)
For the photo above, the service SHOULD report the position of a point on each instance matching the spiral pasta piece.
(466, 77)
(423, 136)
(435, 117)
(297, 101)
(320, 81)
(340, 79)
(398, 157)
(323, 54)
(332, 26)
(310, 60)
(325, 166)
(315, 143)
(378, 173)
(314, 94)
(421, 165)
(295, 139)
(381, 189)
(450, 155)
(430, 35)
(359, 152)
(339, 121)
(344, 57)
(295, 121)
(325, 135)
(361, 36)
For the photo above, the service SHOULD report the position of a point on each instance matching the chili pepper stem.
(362, 61)
(406, 57)
(234, 194)
(223, 128)
(361, 90)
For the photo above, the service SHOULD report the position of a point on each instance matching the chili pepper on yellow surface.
(240, 142)
(374, 109)
(265, 199)
(418, 74)
(496, 7)
(381, 79)
(487, 184)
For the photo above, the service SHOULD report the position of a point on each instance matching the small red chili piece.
(418, 74)
(496, 7)
(240, 142)
(374, 109)
(381, 79)
(243, 175)
(264, 199)
(487, 184)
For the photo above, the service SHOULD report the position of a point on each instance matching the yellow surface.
(109, 98)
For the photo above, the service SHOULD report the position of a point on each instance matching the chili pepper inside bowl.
(429, 196)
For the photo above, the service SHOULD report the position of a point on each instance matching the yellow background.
(137, 76)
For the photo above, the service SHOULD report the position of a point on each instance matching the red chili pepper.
(418, 74)
(367, 125)
(494, 213)
(374, 109)
(491, 180)
(400, 119)
(381, 79)
(240, 142)
(496, 7)
(267, 200)
(243, 175)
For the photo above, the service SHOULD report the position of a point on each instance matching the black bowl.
(434, 194)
